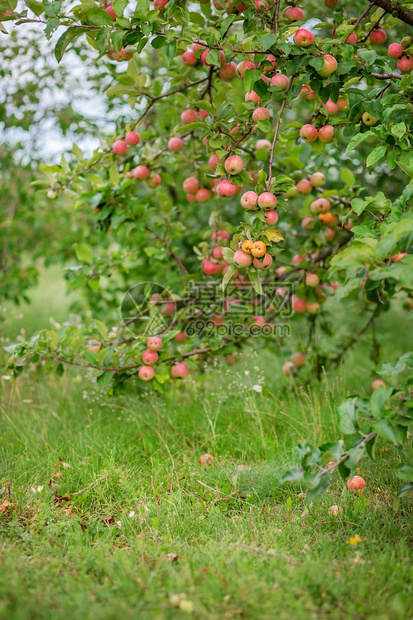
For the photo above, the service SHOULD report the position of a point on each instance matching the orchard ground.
(111, 516)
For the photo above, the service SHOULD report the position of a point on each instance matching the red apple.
(303, 37)
(149, 357)
(141, 172)
(146, 373)
(190, 185)
(249, 200)
(308, 133)
(175, 145)
(179, 370)
(119, 147)
(357, 483)
(189, 116)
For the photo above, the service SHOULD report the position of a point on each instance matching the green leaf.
(347, 177)
(119, 6)
(99, 17)
(406, 488)
(376, 154)
(36, 7)
(369, 56)
(64, 40)
(228, 276)
(393, 432)
(348, 417)
(226, 23)
(378, 400)
(398, 130)
(292, 475)
(83, 253)
(358, 139)
(255, 281)
(405, 471)
(318, 488)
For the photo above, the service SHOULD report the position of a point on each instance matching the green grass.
(122, 490)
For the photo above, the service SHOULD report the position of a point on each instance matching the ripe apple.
(307, 93)
(405, 64)
(260, 114)
(234, 164)
(110, 11)
(160, 4)
(221, 234)
(258, 249)
(190, 185)
(226, 188)
(280, 80)
(342, 102)
(368, 119)
(146, 373)
(246, 246)
(181, 337)
(241, 259)
(266, 200)
(206, 459)
(141, 172)
(264, 263)
(189, 59)
(252, 96)
(287, 368)
(397, 257)
(249, 200)
(189, 116)
(263, 144)
(303, 38)
(228, 72)
(395, 50)
(313, 307)
(377, 383)
(298, 359)
(320, 205)
(259, 320)
(119, 147)
(154, 343)
(293, 14)
(308, 133)
(243, 66)
(308, 223)
(378, 37)
(317, 179)
(175, 145)
(297, 259)
(149, 357)
(132, 138)
(330, 65)
(205, 54)
(271, 217)
(94, 345)
(351, 39)
(209, 268)
(304, 186)
(213, 161)
(357, 483)
(179, 370)
(203, 194)
(299, 305)
(331, 107)
(312, 279)
(154, 181)
(326, 134)
(217, 252)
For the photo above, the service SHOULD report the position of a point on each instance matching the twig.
(355, 338)
(277, 131)
(276, 15)
(386, 76)
(345, 456)
(364, 13)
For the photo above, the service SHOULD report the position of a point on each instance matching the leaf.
(226, 23)
(83, 253)
(273, 235)
(319, 487)
(99, 17)
(348, 417)
(376, 154)
(378, 400)
(292, 475)
(406, 488)
(347, 177)
(67, 37)
(36, 7)
(398, 130)
(228, 255)
(255, 281)
(358, 139)
(228, 275)
(393, 432)
(405, 471)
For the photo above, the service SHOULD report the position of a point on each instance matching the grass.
(129, 525)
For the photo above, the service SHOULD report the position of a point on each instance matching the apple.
(190, 185)
(397, 257)
(330, 4)
(94, 345)
(351, 39)
(189, 116)
(190, 197)
(298, 359)
(189, 59)
(181, 337)
(119, 147)
(226, 188)
(307, 223)
(264, 264)
(368, 119)
(395, 50)
(266, 200)
(280, 80)
(146, 373)
(293, 14)
(249, 200)
(234, 164)
(271, 217)
(160, 4)
(377, 383)
(378, 37)
(312, 279)
(252, 96)
(154, 181)
(221, 234)
(326, 134)
(213, 161)
(330, 65)
(320, 205)
(308, 133)
(209, 268)
(287, 368)
(297, 259)
(149, 357)
(261, 5)
(260, 114)
(317, 179)
(303, 37)
(313, 307)
(304, 186)
(110, 11)
(299, 305)
(342, 102)
(52, 194)
(357, 483)
(141, 172)
(203, 194)
(205, 54)
(259, 320)
(331, 107)
(206, 459)
(243, 66)
(132, 138)
(405, 64)
(246, 246)
(263, 144)
(154, 343)
(307, 93)
(175, 145)
(179, 370)
(258, 249)
(241, 259)
(217, 252)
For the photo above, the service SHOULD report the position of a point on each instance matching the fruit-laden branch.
(390, 7)
(345, 456)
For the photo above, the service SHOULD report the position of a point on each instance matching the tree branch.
(345, 456)
(277, 131)
(403, 14)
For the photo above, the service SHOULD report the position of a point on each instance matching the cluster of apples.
(297, 360)
(149, 358)
(397, 51)
(214, 264)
